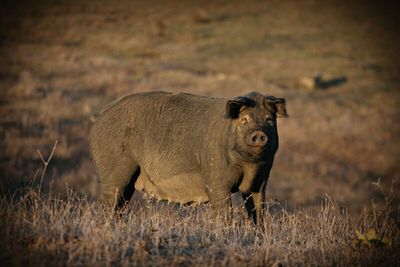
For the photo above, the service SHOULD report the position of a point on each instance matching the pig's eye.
(268, 118)
(244, 120)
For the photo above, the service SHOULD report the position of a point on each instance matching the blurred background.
(336, 63)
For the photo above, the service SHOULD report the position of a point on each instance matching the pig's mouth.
(257, 150)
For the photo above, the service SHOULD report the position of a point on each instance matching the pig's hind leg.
(118, 185)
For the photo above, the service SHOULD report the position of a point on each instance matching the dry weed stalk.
(45, 164)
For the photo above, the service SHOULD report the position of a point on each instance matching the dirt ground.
(61, 61)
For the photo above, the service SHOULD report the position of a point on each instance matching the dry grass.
(49, 231)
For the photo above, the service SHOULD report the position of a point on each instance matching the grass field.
(62, 61)
(75, 232)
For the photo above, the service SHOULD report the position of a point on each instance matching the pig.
(187, 148)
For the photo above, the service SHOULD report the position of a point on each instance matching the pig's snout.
(258, 139)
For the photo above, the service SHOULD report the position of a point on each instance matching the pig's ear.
(234, 106)
(276, 105)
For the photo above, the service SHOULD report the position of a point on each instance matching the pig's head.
(254, 128)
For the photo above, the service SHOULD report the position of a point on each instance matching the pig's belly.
(181, 188)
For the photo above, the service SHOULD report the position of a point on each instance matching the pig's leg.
(219, 194)
(250, 207)
(254, 203)
(258, 198)
(259, 203)
(220, 200)
(128, 189)
(218, 182)
(117, 185)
